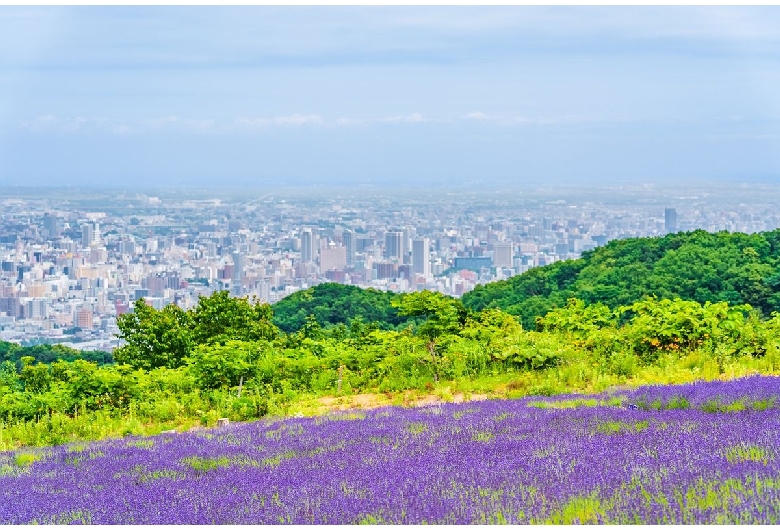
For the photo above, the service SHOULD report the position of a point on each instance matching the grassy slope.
(574, 378)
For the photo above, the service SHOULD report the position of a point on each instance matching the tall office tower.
(421, 256)
(670, 220)
(348, 239)
(308, 248)
(238, 273)
(52, 225)
(502, 255)
(87, 234)
(393, 247)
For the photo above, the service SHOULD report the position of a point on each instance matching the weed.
(483, 436)
(621, 427)
(25, 459)
(747, 453)
(203, 465)
(416, 428)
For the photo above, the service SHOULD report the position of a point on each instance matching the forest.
(665, 310)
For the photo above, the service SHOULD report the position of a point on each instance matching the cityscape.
(71, 262)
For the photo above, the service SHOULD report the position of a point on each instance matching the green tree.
(154, 338)
(443, 318)
(223, 365)
(221, 318)
(35, 377)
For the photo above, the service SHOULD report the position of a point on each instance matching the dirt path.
(407, 399)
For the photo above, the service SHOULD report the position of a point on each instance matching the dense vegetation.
(226, 359)
(49, 353)
(701, 266)
(332, 303)
(584, 325)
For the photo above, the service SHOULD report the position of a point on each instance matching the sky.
(387, 96)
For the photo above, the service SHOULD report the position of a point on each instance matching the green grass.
(482, 436)
(621, 427)
(274, 461)
(416, 428)
(579, 510)
(747, 453)
(25, 459)
(204, 465)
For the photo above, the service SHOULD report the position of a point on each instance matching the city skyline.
(69, 266)
(395, 96)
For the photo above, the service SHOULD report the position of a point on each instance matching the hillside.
(332, 303)
(701, 266)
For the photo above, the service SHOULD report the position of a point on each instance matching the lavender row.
(495, 461)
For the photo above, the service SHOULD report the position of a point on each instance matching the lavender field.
(698, 453)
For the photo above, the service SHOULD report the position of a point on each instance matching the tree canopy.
(698, 266)
(332, 304)
(166, 337)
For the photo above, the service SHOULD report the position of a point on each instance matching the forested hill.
(333, 303)
(701, 266)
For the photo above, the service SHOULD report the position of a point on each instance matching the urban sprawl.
(70, 266)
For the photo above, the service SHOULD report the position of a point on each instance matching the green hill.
(701, 266)
(333, 304)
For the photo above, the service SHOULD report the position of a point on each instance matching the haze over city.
(465, 97)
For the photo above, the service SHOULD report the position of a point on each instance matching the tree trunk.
(432, 351)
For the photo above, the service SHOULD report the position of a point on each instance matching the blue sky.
(397, 96)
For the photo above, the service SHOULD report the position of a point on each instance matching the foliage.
(49, 353)
(578, 346)
(165, 338)
(154, 338)
(331, 304)
(698, 266)
(219, 318)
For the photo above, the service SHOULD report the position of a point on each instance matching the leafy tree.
(154, 338)
(220, 318)
(35, 377)
(49, 353)
(443, 317)
(222, 365)
(165, 337)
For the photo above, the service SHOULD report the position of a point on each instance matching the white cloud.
(81, 124)
(414, 117)
(299, 119)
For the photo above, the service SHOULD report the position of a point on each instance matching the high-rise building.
(348, 239)
(309, 245)
(393, 245)
(38, 308)
(421, 256)
(52, 225)
(670, 220)
(502, 255)
(238, 273)
(87, 234)
(83, 319)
